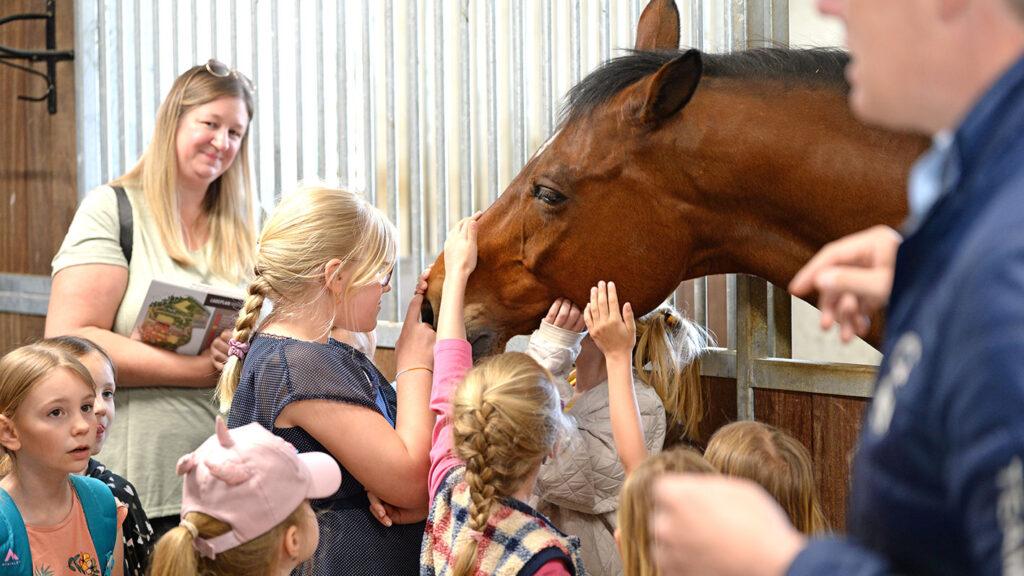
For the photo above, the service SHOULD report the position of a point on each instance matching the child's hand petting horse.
(565, 315)
(614, 333)
(460, 248)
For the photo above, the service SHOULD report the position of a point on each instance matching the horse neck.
(773, 174)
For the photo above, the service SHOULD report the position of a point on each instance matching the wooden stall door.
(37, 170)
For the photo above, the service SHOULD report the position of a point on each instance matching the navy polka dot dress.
(278, 371)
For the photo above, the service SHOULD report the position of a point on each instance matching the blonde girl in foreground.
(137, 534)
(497, 423)
(775, 460)
(324, 259)
(47, 431)
(635, 506)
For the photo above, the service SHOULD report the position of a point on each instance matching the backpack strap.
(15, 555)
(100, 515)
(124, 216)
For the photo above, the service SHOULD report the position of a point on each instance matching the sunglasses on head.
(220, 70)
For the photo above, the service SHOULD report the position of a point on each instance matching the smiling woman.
(191, 221)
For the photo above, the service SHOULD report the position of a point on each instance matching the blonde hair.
(667, 358)
(775, 460)
(20, 370)
(175, 553)
(304, 232)
(636, 504)
(228, 202)
(506, 417)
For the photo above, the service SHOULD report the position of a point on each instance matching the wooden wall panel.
(790, 411)
(828, 426)
(37, 154)
(37, 158)
(384, 358)
(720, 408)
(16, 330)
(837, 421)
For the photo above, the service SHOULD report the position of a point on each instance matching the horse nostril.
(427, 313)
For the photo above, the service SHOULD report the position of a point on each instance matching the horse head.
(660, 173)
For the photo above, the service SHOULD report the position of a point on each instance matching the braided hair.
(506, 420)
(309, 228)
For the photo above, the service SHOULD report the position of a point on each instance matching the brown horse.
(675, 165)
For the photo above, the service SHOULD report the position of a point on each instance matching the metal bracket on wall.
(50, 56)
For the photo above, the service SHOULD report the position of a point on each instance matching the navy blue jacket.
(938, 481)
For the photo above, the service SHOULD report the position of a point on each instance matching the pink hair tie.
(238, 349)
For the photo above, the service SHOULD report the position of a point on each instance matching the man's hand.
(852, 277)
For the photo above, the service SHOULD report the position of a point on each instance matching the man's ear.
(9, 435)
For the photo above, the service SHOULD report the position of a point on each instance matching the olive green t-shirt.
(153, 426)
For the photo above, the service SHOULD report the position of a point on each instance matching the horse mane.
(809, 67)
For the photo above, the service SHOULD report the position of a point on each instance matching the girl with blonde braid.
(497, 423)
(324, 259)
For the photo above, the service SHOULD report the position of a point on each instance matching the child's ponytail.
(667, 358)
(245, 325)
(175, 553)
(506, 419)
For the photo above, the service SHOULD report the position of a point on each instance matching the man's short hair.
(1018, 5)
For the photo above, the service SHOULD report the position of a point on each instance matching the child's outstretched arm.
(556, 344)
(459, 263)
(615, 335)
(453, 356)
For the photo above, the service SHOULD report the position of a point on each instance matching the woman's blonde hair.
(228, 202)
(667, 358)
(506, 417)
(636, 504)
(175, 554)
(775, 460)
(305, 231)
(23, 368)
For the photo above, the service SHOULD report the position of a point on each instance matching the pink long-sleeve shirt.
(452, 359)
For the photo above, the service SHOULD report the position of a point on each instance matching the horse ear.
(672, 86)
(658, 28)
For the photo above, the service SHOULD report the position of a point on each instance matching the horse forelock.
(813, 67)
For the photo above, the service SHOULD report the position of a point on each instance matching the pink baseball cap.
(252, 480)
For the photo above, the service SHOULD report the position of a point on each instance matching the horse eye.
(548, 196)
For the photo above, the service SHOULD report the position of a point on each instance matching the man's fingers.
(870, 285)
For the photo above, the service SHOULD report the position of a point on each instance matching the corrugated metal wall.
(428, 106)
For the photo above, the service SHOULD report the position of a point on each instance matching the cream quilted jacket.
(579, 488)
